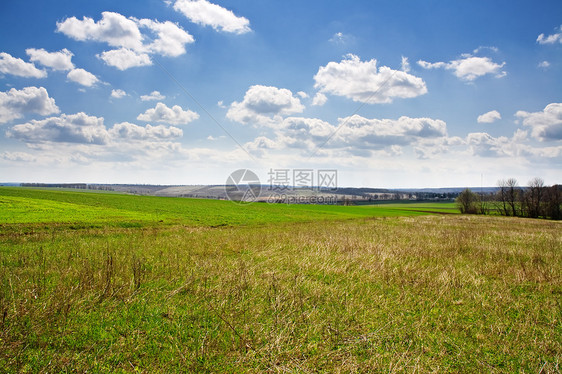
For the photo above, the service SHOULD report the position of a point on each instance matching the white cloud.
(124, 58)
(15, 104)
(133, 47)
(82, 77)
(545, 125)
(431, 65)
(259, 145)
(468, 67)
(61, 60)
(18, 67)
(551, 39)
(341, 39)
(208, 14)
(485, 145)
(471, 68)
(405, 66)
(481, 48)
(489, 117)
(362, 81)
(319, 99)
(17, 156)
(154, 95)
(113, 29)
(171, 39)
(126, 130)
(302, 94)
(544, 64)
(299, 132)
(73, 128)
(264, 105)
(358, 136)
(363, 132)
(174, 115)
(118, 94)
(427, 148)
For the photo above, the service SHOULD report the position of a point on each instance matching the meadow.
(101, 282)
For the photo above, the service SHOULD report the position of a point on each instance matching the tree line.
(536, 200)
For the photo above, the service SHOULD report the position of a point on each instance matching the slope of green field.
(158, 287)
(32, 206)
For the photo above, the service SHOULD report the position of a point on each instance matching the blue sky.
(389, 93)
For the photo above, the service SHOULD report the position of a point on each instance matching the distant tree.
(553, 201)
(468, 202)
(533, 198)
(485, 201)
(508, 196)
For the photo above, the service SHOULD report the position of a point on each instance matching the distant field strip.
(36, 206)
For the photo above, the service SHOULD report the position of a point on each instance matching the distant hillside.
(353, 195)
(456, 190)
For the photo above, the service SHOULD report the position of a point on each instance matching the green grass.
(351, 292)
(28, 205)
(426, 207)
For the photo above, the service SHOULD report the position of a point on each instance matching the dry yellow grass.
(426, 294)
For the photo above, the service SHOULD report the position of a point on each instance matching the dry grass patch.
(431, 293)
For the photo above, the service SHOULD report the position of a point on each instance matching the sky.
(389, 93)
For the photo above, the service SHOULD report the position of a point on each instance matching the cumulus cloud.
(82, 77)
(358, 136)
(364, 82)
(551, 39)
(489, 117)
(208, 14)
(468, 67)
(174, 115)
(132, 38)
(154, 95)
(171, 39)
(264, 105)
(74, 128)
(364, 132)
(113, 29)
(427, 148)
(124, 58)
(545, 125)
(486, 145)
(18, 67)
(118, 94)
(14, 104)
(259, 145)
(126, 130)
(17, 156)
(544, 64)
(319, 99)
(61, 60)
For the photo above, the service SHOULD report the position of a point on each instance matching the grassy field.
(34, 206)
(220, 287)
